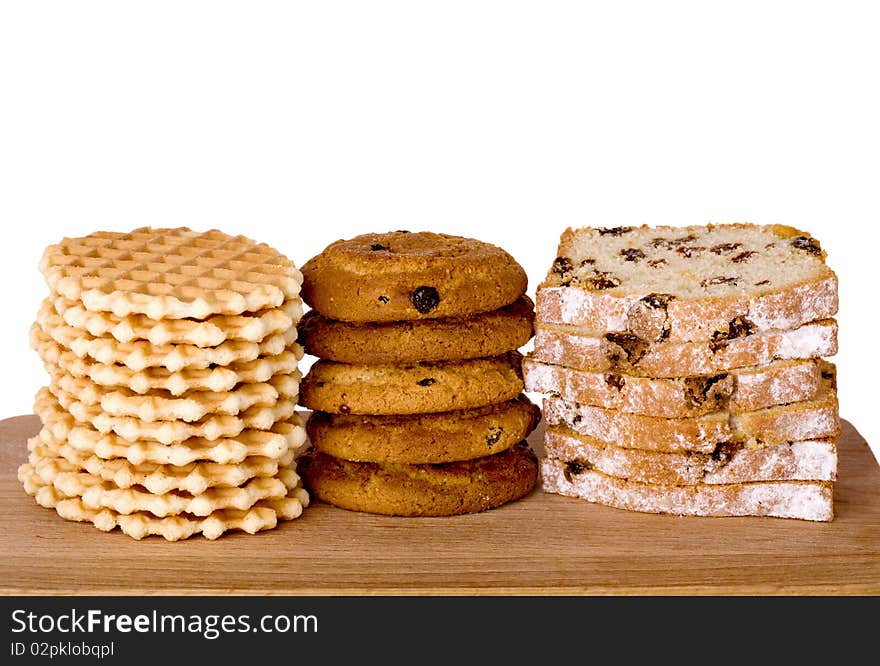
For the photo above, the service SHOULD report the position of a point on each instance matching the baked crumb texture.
(684, 370)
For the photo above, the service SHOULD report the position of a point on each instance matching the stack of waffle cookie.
(172, 359)
(685, 371)
(417, 396)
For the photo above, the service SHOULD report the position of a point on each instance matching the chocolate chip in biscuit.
(495, 433)
(425, 299)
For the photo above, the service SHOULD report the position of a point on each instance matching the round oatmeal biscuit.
(424, 438)
(448, 339)
(420, 388)
(450, 489)
(400, 275)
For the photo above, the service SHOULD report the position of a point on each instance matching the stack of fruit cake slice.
(684, 370)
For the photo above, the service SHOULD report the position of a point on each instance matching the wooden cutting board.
(544, 544)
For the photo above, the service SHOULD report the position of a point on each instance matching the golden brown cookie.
(402, 276)
(421, 490)
(448, 339)
(424, 438)
(421, 388)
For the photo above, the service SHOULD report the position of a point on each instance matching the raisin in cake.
(624, 352)
(688, 283)
(817, 418)
(805, 500)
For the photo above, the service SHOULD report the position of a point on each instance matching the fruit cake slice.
(624, 352)
(736, 391)
(810, 460)
(809, 419)
(688, 283)
(806, 500)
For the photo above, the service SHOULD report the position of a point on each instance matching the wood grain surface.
(544, 544)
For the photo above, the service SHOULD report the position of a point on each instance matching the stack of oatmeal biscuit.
(172, 358)
(685, 370)
(417, 396)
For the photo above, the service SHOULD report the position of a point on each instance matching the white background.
(300, 123)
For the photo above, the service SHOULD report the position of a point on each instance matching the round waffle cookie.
(189, 407)
(141, 354)
(97, 493)
(214, 426)
(210, 332)
(173, 364)
(169, 273)
(193, 478)
(422, 490)
(425, 388)
(262, 515)
(450, 339)
(424, 438)
(216, 378)
(66, 433)
(403, 276)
